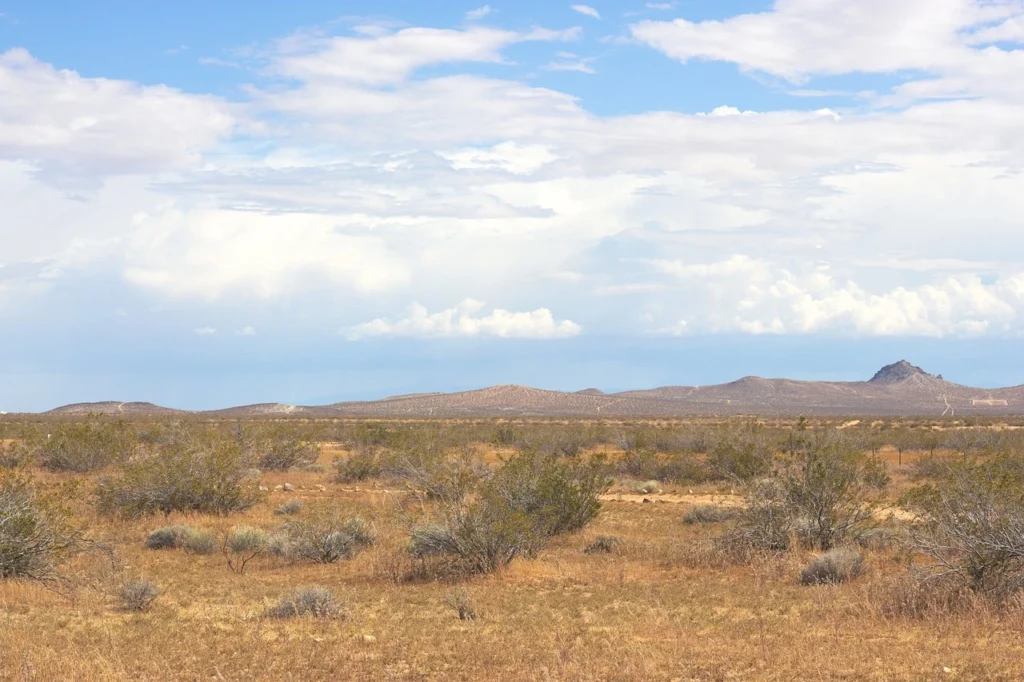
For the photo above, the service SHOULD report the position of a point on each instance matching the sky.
(208, 204)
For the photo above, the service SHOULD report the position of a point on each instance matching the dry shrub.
(17, 454)
(280, 448)
(532, 498)
(202, 543)
(209, 478)
(603, 544)
(323, 536)
(290, 508)
(921, 597)
(312, 602)
(366, 462)
(36, 538)
(243, 544)
(833, 567)
(138, 595)
(709, 513)
(168, 537)
(462, 603)
(971, 523)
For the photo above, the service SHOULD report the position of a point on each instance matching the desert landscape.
(704, 548)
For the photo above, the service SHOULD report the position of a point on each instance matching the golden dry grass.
(648, 612)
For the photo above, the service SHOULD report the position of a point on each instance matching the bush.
(709, 513)
(360, 465)
(532, 498)
(324, 536)
(603, 544)
(138, 595)
(315, 602)
(971, 522)
(35, 536)
(202, 543)
(17, 454)
(211, 479)
(741, 453)
(834, 567)
(823, 492)
(289, 508)
(282, 449)
(169, 537)
(242, 545)
(462, 603)
(87, 446)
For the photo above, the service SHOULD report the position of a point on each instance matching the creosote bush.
(35, 535)
(971, 524)
(187, 477)
(313, 602)
(833, 567)
(364, 463)
(82, 447)
(138, 594)
(530, 499)
(17, 454)
(823, 492)
(279, 449)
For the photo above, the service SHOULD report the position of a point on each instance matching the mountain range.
(897, 389)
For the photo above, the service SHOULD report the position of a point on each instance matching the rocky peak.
(899, 372)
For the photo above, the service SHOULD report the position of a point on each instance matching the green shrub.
(210, 479)
(243, 544)
(280, 449)
(17, 454)
(82, 447)
(35, 536)
(530, 499)
(364, 463)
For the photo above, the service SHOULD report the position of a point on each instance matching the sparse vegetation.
(833, 567)
(324, 536)
(603, 544)
(312, 602)
(709, 513)
(138, 594)
(169, 537)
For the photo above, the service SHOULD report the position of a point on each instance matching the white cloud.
(246, 331)
(393, 57)
(80, 130)
(753, 296)
(509, 156)
(479, 13)
(660, 5)
(799, 39)
(587, 10)
(463, 321)
(206, 331)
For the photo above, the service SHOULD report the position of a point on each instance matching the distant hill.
(113, 408)
(897, 389)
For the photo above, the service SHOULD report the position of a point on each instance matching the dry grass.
(653, 610)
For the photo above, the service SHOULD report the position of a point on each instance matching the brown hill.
(111, 407)
(897, 389)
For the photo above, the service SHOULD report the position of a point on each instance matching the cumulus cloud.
(463, 320)
(753, 296)
(78, 130)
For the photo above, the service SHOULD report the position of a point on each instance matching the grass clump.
(709, 513)
(312, 602)
(290, 508)
(833, 567)
(604, 544)
(138, 595)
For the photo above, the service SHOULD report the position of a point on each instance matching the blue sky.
(218, 203)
